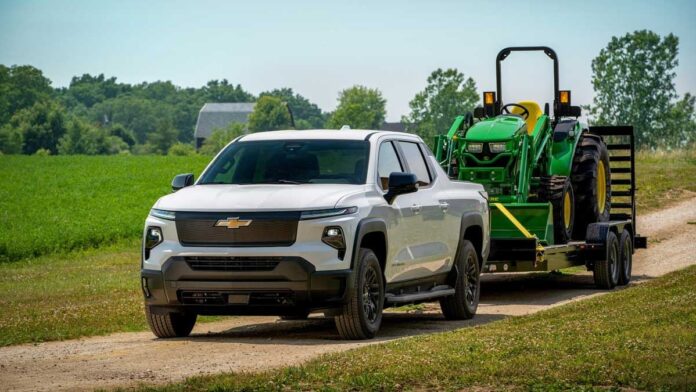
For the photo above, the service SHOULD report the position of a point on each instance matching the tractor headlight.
(474, 148)
(496, 147)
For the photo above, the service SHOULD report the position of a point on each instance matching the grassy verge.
(82, 293)
(664, 178)
(643, 337)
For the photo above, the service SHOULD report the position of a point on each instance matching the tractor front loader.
(555, 197)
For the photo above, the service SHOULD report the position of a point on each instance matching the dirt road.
(258, 343)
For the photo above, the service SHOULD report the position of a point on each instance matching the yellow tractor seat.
(534, 113)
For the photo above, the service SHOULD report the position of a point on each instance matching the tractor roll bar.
(503, 54)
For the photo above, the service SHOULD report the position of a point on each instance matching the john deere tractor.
(549, 182)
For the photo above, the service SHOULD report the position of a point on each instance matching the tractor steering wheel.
(524, 114)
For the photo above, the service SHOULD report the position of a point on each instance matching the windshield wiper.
(284, 181)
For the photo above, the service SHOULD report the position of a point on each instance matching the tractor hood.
(500, 128)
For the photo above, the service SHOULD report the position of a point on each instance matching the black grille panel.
(277, 298)
(215, 263)
(265, 229)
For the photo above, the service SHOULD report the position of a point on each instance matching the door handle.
(444, 206)
(416, 209)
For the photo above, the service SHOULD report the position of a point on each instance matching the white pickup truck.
(291, 222)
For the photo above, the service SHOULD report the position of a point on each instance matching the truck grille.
(278, 298)
(222, 263)
(263, 229)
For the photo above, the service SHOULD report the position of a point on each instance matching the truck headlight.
(474, 148)
(496, 147)
(316, 214)
(333, 237)
(153, 237)
(163, 214)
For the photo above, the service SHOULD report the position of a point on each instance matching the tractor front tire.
(591, 183)
(558, 190)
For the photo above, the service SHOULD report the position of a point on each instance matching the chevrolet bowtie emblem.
(232, 223)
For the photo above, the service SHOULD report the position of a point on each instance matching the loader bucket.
(534, 218)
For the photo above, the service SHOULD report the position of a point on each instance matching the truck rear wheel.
(361, 316)
(463, 304)
(170, 325)
(591, 183)
(606, 271)
(626, 257)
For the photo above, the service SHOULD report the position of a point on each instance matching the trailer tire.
(171, 324)
(361, 316)
(591, 178)
(606, 271)
(467, 285)
(626, 257)
(558, 190)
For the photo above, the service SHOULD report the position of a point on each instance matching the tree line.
(633, 80)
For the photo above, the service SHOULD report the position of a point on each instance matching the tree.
(221, 137)
(448, 94)
(41, 126)
(89, 90)
(633, 79)
(306, 114)
(270, 114)
(680, 125)
(181, 150)
(86, 139)
(163, 138)
(223, 91)
(21, 86)
(11, 140)
(359, 107)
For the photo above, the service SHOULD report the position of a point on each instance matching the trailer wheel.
(558, 190)
(606, 271)
(467, 286)
(626, 257)
(591, 179)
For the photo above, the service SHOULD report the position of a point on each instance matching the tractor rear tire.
(558, 190)
(606, 271)
(626, 257)
(591, 183)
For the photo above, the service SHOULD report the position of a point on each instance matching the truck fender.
(365, 227)
(474, 219)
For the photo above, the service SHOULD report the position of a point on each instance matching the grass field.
(59, 203)
(647, 341)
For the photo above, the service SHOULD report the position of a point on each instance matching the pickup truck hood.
(275, 197)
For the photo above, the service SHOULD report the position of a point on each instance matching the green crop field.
(62, 203)
(59, 203)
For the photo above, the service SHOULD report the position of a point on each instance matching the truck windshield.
(290, 162)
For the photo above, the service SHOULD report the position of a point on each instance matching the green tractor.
(549, 181)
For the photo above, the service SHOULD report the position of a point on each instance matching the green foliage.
(181, 150)
(59, 203)
(270, 114)
(21, 87)
(223, 91)
(89, 90)
(360, 108)
(221, 137)
(42, 152)
(122, 133)
(162, 139)
(633, 79)
(41, 126)
(11, 140)
(83, 138)
(306, 114)
(448, 94)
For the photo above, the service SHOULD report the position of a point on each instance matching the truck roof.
(332, 134)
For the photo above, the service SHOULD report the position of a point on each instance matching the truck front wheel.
(463, 304)
(361, 316)
(170, 325)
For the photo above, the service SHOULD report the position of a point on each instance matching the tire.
(170, 325)
(606, 271)
(292, 317)
(558, 190)
(467, 286)
(625, 257)
(361, 317)
(591, 178)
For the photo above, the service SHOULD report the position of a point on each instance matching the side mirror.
(399, 184)
(182, 181)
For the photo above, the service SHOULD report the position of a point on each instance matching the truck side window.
(416, 162)
(388, 163)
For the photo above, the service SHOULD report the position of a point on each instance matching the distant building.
(219, 115)
(395, 126)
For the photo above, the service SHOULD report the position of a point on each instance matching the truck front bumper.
(242, 286)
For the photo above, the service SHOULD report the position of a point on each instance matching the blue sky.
(321, 47)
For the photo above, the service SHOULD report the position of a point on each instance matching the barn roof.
(220, 115)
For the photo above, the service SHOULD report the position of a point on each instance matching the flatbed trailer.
(608, 246)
